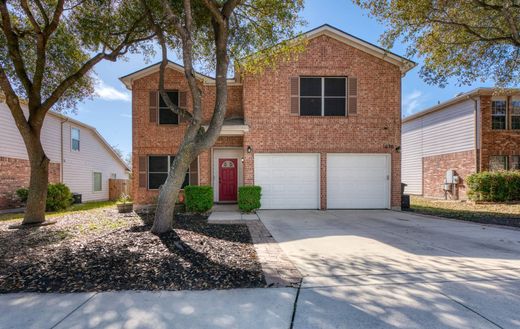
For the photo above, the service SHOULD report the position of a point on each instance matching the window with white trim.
(499, 114)
(515, 113)
(323, 96)
(74, 139)
(158, 168)
(497, 162)
(97, 181)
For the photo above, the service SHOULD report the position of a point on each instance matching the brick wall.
(151, 138)
(495, 142)
(434, 172)
(14, 174)
(266, 100)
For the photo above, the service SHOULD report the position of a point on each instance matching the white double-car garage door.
(354, 181)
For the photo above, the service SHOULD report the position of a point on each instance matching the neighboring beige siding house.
(466, 134)
(85, 171)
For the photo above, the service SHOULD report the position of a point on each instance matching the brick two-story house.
(320, 131)
(475, 131)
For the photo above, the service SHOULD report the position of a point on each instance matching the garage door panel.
(357, 181)
(288, 181)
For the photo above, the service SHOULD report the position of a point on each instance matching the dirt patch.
(101, 250)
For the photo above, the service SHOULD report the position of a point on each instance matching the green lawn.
(496, 213)
(71, 209)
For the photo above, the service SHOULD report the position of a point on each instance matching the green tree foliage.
(472, 40)
(48, 49)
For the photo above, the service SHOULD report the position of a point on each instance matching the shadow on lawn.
(194, 256)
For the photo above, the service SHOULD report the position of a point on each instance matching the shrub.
(199, 199)
(249, 198)
(59, 197)
(22, 193)
(497, 186)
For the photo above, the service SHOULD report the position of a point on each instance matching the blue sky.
(110, 110)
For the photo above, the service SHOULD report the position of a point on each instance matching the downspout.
(476, 146)
(61, 150)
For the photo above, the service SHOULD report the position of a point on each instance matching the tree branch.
(13, 102)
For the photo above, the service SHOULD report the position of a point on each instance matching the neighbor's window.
(158, 167)
(113, 176)
(97, 181)
(166, 116)
(498, 162)
(498, 114)
(323, 96)
(515, 162)
(515, 114)
(74, 139)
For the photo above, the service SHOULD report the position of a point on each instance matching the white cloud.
(412, 102)
(110, 93)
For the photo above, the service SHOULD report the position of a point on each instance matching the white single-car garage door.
(288, 180)
(358, 181)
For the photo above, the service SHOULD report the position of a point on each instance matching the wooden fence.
(116, 187)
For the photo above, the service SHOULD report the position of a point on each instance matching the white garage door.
(358, 181)
(288, 181)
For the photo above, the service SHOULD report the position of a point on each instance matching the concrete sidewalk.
(235, 308)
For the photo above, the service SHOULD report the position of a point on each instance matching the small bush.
(22, 193)
(59, 197)
(249, 198)
(496, 186)
(199, 199)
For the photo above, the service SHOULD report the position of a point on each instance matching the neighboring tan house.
(320, 131)
(80, 158)
(475, 131)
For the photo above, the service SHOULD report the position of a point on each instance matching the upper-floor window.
(498, 162)
(158, 168)
(166, 116)
(498, 114)
(515, 113)
(323, 96)
(74, 139)
(97, 180)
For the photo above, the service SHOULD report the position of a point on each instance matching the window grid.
(499, 114)
(323, 97)
(498, 162)
(74, 139)
(169, 158)
(166, 108)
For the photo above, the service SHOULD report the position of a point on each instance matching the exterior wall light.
(249, 149)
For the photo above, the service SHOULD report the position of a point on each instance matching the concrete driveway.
(385, 269)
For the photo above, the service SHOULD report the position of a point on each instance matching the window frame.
(148, 172)
(506, 162)
(511, 167)
(505, 115)
(94, 173)
(323, 97)
(72, 139)
(167, 108)
(512, 114)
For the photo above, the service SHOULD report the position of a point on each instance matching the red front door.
(227, 178)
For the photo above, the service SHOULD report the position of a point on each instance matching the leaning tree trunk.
(169, 192)
(35, 212)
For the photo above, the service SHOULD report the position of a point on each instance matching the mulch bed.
(101, 250)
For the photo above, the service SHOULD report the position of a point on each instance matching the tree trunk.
(35, 212)
(169, 191)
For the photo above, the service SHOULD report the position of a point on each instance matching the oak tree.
(212, 33)
(471, 40)
(48, 49)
